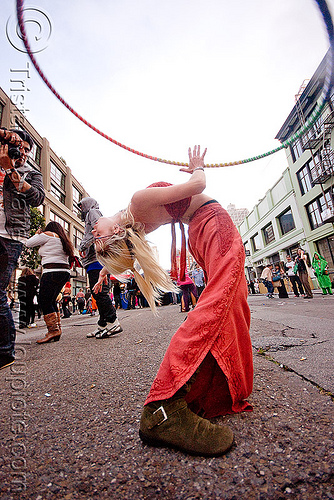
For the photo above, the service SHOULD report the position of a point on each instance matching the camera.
(13, 151)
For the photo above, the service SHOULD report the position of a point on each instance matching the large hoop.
(323, 7)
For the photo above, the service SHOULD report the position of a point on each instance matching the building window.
(313, 212)
(305, 179)
(35, 155)
(1, 112)
(331, 101)
(77, 237)
(18, 125)
(268, 233)
(317, 206)
(286, 221)
(57, 183)
(246, 247)
(59, 195)
(326, 201)
(296, 150)
(38, 153)
(256, 242)
(77, 197)
(274, 259)
(60, 221)
(57, 176)
(325, 247)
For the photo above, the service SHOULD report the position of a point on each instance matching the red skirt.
(215, 336)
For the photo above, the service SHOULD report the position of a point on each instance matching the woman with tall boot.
(207, 370)
(55, 249)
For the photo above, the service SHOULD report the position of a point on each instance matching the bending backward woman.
(207, 370)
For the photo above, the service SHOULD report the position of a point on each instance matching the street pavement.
(70, 412)
(300, 334)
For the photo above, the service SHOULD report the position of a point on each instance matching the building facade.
(310, 161)
(62, 190)
(298, 210)
(273, 228)
(237, 214)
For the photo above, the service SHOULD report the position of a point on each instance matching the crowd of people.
(207, 370)
(295, 273)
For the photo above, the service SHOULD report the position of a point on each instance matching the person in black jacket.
(108, 323)
(21, 187)
(301, 261)
(117, 295)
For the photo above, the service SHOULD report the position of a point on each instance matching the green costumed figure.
(319, 265)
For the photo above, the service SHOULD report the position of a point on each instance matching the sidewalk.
(79, 402)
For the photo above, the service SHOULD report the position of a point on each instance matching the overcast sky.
(162, 75)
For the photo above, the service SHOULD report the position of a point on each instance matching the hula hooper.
(323, 7)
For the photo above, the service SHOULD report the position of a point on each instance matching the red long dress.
(215, 335)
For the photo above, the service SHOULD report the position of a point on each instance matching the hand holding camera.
(13, 143)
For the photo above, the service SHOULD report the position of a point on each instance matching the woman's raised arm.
(162, 195)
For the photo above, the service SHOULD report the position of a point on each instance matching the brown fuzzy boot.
(54, 332)
(171, 423)
(59, 322)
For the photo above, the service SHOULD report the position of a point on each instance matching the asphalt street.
(298, 333)
(70, 412)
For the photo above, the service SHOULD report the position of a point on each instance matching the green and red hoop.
(323, 7)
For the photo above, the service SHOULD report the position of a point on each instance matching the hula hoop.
(323, 7)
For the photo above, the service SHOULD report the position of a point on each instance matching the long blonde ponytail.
(128, 248)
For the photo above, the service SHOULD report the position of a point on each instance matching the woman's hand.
(195, 160)
(102, 279)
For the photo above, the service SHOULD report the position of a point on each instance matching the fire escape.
(318, 141)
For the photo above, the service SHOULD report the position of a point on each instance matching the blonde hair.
(128, 250)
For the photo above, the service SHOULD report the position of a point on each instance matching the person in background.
(320, 267)
(89, 305)
(256, 286)
(294, 279)
(132, 289)
(36, 305)
(207, 369)
(301, 261)
(56, 250)
(27, 285)
(107, 324)
(10, 295)
(94, 307)
(73, 300)
(278, 281)
(198, 278)
(66, 300)
(267, 278)
(117, 295)
(88, 295)
(189, 292)
(21, 187)
(80, 300)
(252, 287)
